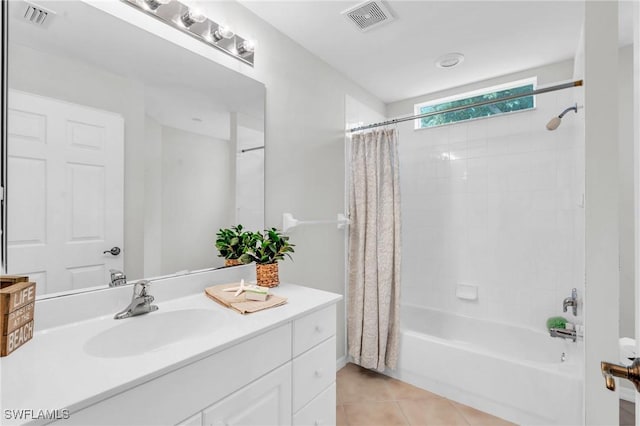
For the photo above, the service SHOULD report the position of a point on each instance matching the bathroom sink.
(145, 333)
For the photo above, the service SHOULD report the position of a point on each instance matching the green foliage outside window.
(518, 104)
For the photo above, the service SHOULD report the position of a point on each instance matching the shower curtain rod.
(251, 149)
(477, 104)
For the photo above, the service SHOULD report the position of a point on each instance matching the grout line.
(459, 412)
(406, 419)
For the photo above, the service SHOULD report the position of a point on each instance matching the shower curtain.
(374, 250)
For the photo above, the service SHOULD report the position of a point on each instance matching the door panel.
(66, 172)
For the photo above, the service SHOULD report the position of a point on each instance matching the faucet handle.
(116, 274)
(144, 286)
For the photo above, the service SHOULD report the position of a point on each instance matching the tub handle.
(631, 373)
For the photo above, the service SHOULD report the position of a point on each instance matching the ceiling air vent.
(37, 15)
(368, 15)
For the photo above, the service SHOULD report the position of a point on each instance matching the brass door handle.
(631, 373)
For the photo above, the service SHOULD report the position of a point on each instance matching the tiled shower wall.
(496, 203)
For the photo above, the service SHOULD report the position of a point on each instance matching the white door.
(65, 173)
(636, 136)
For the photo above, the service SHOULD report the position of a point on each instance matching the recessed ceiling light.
(450, 60)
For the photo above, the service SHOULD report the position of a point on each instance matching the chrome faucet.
(571, 301)
(140, 303)
(118, 278)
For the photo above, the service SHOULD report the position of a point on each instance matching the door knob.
(114, 251)
(631, 373)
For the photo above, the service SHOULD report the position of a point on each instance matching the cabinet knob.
(318, 329)
(318, 373)
(317, 423)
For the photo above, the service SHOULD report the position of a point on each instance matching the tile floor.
(627, 413)
(366, 398)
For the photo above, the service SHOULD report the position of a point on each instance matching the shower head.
(555, 121)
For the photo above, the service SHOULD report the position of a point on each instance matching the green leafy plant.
(268, 247)
(233, 242)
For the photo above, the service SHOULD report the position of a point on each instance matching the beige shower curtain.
(374, 250)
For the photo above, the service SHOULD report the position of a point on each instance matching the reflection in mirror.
(125, 151)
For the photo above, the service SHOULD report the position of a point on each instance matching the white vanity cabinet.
(302, 392)
(282, 376)
(314, 368)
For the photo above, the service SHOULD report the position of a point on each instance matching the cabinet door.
(267, 401)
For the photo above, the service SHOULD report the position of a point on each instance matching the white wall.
(304, 156)
(197, 197)
(626, 192)
(602, 181)
(249, 175)
(152, 198)
(494, 202)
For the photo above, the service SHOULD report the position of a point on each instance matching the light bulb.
(222, 32)
(154, 4)
(193, 16)
(247, 46)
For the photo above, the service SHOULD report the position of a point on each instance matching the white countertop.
(54, 371)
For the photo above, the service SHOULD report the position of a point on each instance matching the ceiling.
(396, 61)
(182, 89)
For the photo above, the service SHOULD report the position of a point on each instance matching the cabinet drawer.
(312, 329)
(313, 372)
(320, 411)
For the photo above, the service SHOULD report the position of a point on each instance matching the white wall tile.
(495, 203)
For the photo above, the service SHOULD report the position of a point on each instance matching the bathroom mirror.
(125, 151)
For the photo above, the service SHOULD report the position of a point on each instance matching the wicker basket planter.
(267, 274)
(232, 262)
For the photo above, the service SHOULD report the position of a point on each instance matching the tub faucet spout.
(564, 333)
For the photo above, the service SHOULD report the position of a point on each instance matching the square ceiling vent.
(368, 15)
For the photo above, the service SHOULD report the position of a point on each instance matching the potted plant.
(233, 243)
(268, 248)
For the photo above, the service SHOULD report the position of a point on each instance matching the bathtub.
(519, 374)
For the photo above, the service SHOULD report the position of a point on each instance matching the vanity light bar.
(190, 21)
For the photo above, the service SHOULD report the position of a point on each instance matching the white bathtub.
(511, 372)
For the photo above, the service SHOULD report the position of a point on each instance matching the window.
(496, 92)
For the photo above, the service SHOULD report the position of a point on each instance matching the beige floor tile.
(362, 386)
(374, 414)
(348, 370)
(431, 411)
(341, 417)
(401, 390)
(479, 418)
